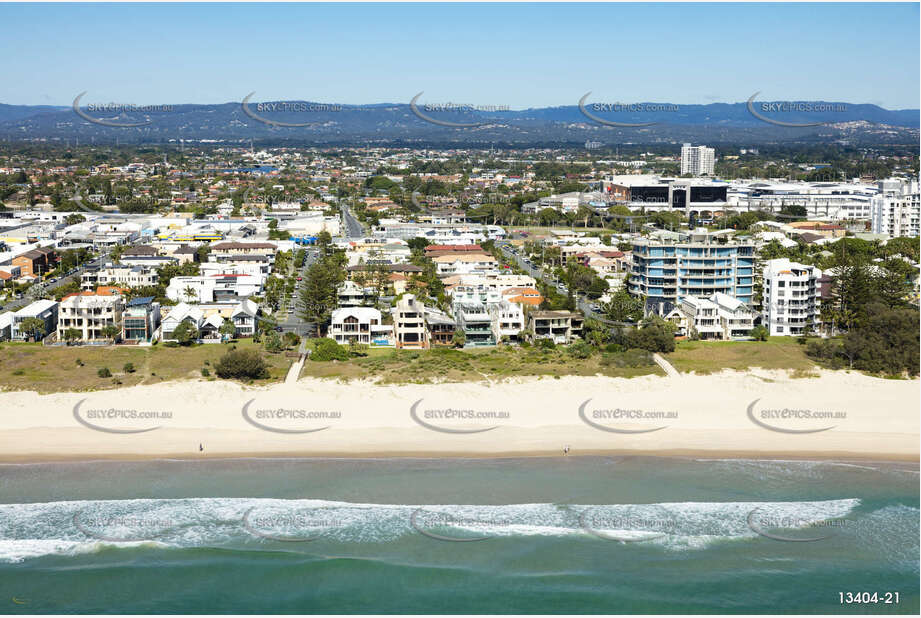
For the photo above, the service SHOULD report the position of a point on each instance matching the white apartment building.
(896, 210)
(790, 297)
(697, 160)
(89, 315)
(214, 288)
(130, 276)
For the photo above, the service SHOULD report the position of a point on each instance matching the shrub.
(656, 335)
(19, 372)
(580, 349)
(104, 372)
(129, 367)
(292, 339)
(273, 343)
(545, 344)
(205, 372)
(760, 333)
(246, 363)
(329, 350)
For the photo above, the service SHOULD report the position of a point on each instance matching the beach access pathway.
(666, 366)
(295, 371)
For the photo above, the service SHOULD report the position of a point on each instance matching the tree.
(624, 307)
(186, 333)
(460, 339)
(71, 335)
(104, 372)
(273, 343)
(228, 329)
(887, 342)
(33, 328)
(110, 331)
(656, 335)
(760, 333)
(190, 293)
(242, 364)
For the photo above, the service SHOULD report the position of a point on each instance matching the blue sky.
(520, 55)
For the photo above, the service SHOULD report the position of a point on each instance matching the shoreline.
(730, 415)
(805, 457)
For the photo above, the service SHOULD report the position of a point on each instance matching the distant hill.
(398, 124)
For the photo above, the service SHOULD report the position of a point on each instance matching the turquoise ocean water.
(563, 535)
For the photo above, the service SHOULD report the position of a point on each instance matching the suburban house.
(474, 321)
(409, 323)
(45, 310)
(507, 320)
(90, 315)
(178, 314)
(363, 325)
(718, 317)
(559, 326)
(350, 294)
(441, 327)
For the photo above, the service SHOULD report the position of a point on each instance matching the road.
(39, 289)
(291, 322)
(582, 302)
(353, 228)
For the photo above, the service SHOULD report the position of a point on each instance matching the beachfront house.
(45, 310)
(91, 315)
(409, 323)
(558, 326)
(140, 320)
(362, 325)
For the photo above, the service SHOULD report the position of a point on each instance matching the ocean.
(544, 535)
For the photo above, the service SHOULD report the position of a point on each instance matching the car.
(278, 329)
(300, 278)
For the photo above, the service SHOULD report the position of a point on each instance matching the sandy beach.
(757, 414)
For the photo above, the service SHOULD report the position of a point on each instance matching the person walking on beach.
(566, 450)
(200, 447)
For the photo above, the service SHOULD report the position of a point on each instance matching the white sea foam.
(66, 528)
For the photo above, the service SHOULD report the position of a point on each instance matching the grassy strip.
(31, 366)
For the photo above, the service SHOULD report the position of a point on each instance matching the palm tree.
(189, 293)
